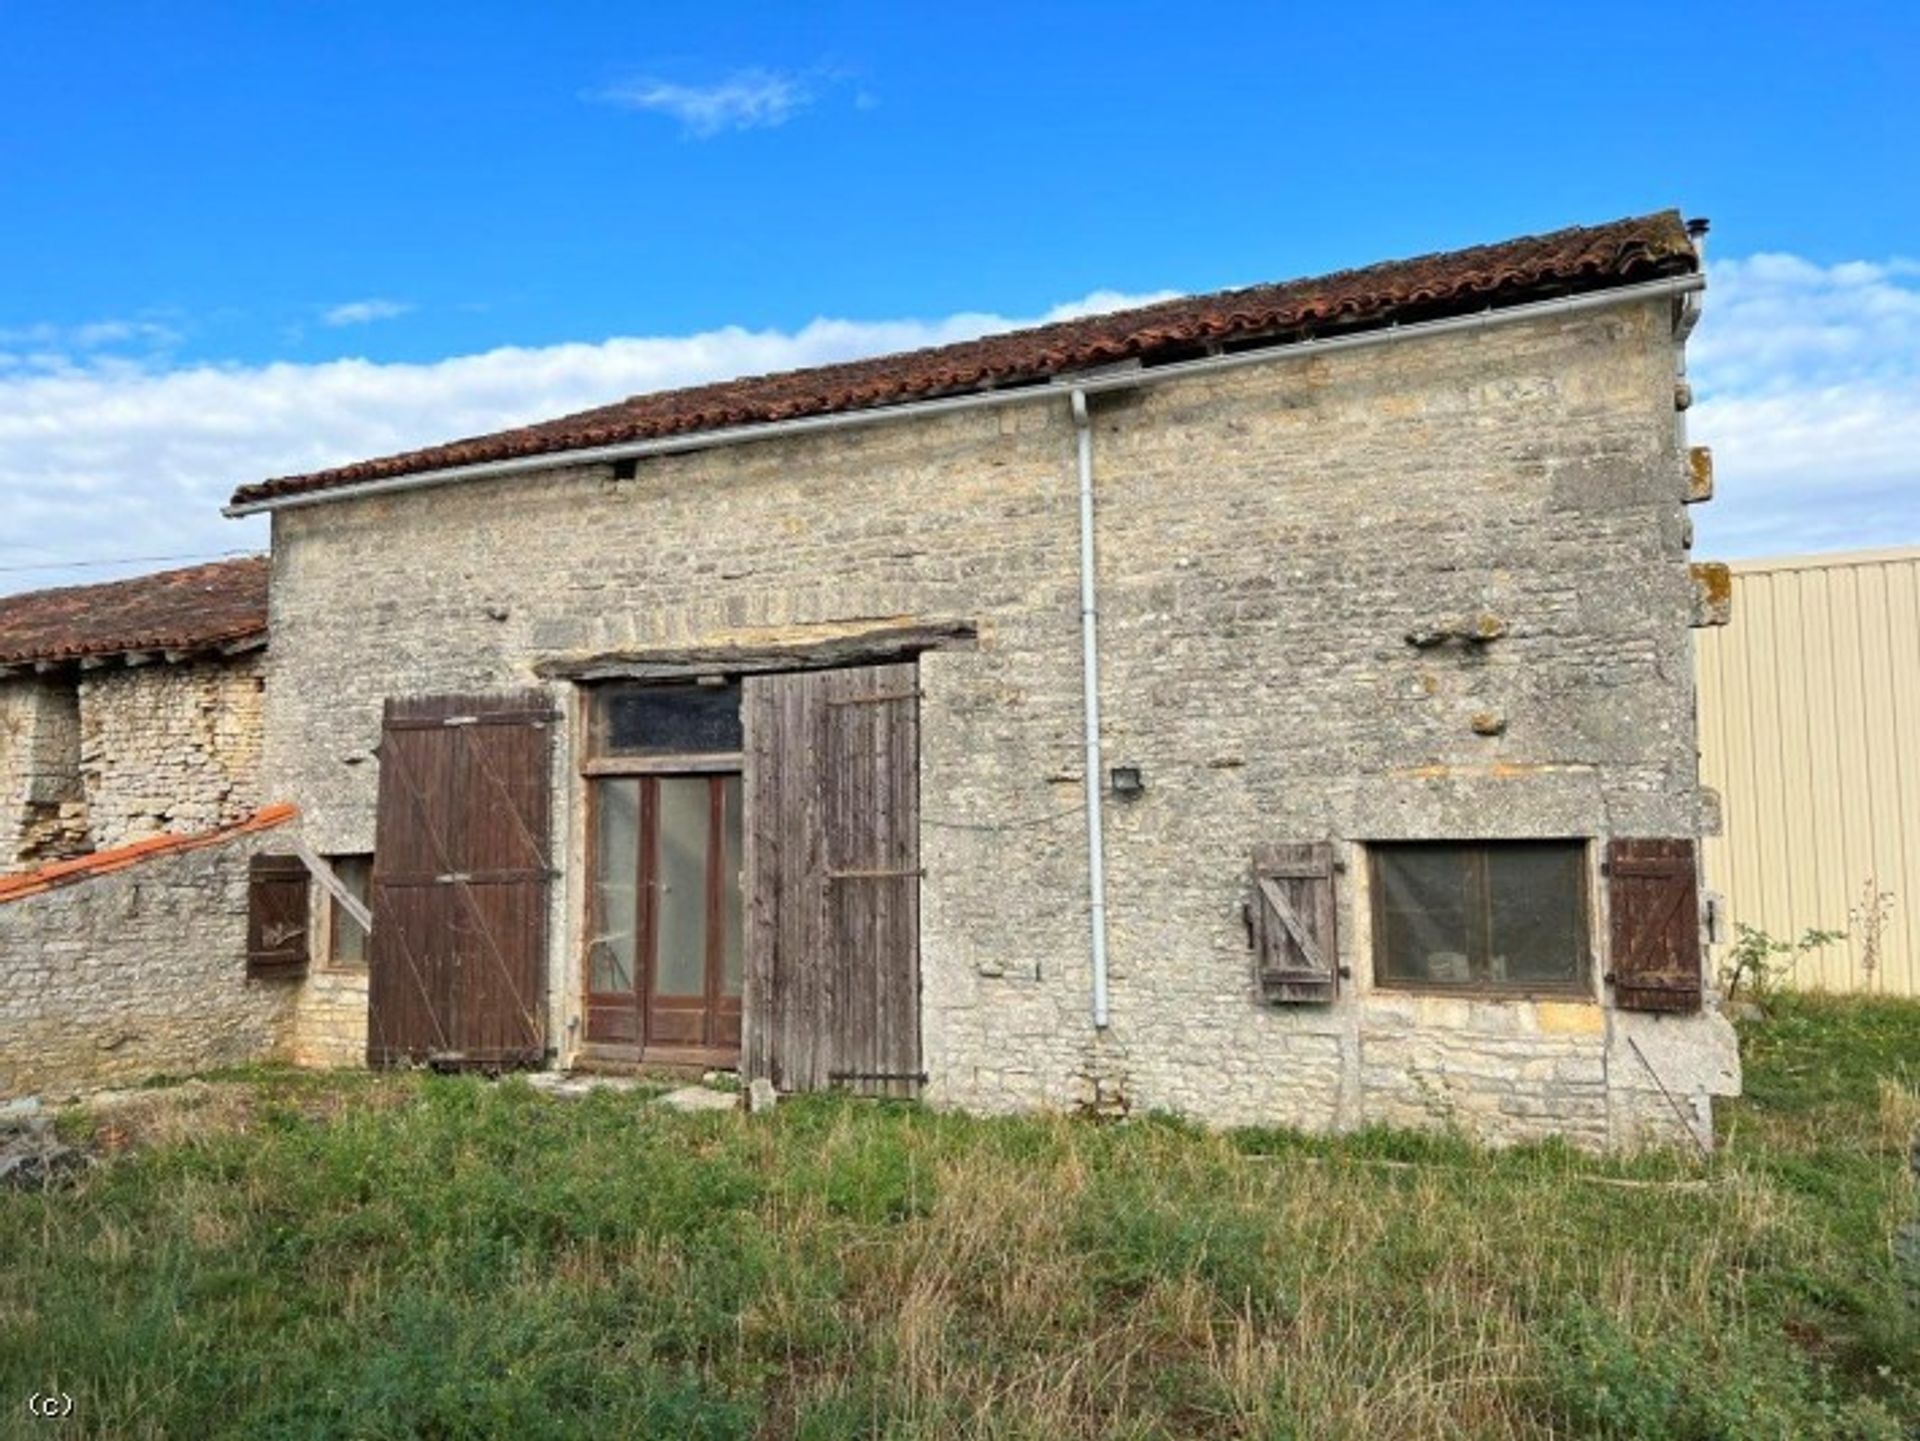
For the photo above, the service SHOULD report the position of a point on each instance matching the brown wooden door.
(457, 958)
(833, 879)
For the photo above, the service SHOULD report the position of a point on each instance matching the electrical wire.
(124, 560)
(1046, 820)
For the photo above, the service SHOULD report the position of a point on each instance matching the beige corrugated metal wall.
(1810, 732)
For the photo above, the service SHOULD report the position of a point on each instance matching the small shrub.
(1757, 962)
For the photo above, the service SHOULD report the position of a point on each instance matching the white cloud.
(47, 346)
(363, 312)
(750, 99)
(1809, 385)
(119, 458)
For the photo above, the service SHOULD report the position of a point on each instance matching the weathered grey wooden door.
(833, 879)
(457, 959)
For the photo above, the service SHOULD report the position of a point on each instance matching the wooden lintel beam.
(835, 646)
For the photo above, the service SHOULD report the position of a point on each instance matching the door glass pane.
(616, 864)
(680, 957)
(1424, 914)
(732, 913)
(1535, 930)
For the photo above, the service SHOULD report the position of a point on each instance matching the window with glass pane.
(616, 878)
(1487, 916)
(680, 929)
(346, 937)
(644, 720)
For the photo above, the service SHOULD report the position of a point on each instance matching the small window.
(346, 940)
(650, 720)
(1500, 916)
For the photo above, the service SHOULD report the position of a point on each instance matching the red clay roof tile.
(196, 608)
(1510, 273)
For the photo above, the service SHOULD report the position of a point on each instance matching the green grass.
(278, 1255)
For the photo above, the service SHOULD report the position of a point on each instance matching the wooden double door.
(666, 957)
(760, 907)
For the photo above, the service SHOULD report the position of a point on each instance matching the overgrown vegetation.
(1757, 963)
(285, 1256)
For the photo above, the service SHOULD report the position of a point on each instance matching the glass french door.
(666, 952)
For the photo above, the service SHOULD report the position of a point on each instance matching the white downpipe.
(1090, 675)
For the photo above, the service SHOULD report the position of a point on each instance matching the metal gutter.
(1677, 285)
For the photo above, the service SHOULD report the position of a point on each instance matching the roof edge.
(1619, 294)
(1573, 261)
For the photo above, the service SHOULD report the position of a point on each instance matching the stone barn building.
(1271, 706)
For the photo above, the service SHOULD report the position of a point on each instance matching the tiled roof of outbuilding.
(1512, 272)
(201, 607)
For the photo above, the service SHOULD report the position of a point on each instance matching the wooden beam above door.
(764, 649)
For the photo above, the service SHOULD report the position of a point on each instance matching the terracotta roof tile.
(100, 863)
(198, 608)
(1510, 273)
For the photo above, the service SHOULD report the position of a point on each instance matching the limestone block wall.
(136, 972)
(329, 1023)
(43, 812)
(170, 747)
(1266, 539)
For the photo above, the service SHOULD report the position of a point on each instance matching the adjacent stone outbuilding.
(753, 724)
(130, 709)
(130, 963)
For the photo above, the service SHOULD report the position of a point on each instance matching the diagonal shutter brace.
(1284, 910)
(333, 885)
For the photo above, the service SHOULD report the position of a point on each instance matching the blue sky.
(248, 239)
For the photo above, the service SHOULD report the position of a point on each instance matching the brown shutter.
(1653, 892)
(1295, 938)
(276, 916)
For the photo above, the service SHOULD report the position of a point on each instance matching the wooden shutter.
(1295, 937)
(1653, 892)
(276, 916)
(457, 962)
(833, 879)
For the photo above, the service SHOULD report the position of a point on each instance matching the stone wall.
(136, 972)
(170, 747)
(1267, 538)
(329, 1026)
(43, 813)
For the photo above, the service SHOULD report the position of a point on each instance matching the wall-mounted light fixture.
(1126, 783)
